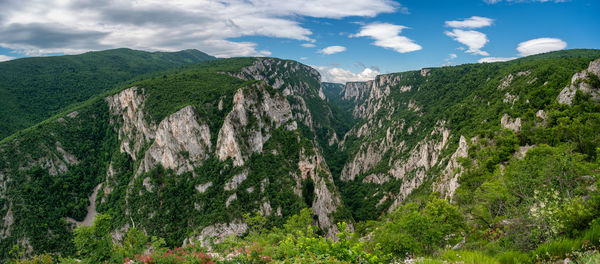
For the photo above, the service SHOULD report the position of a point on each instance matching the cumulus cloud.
(70, 26)
(387, 36)
(540, 45)
(308, 45)
(472, 22)
(474, 40)
(340, 75)
(332, 49)
(495, 59)
(6, 58)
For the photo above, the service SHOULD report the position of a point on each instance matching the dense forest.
(526, 194)
(34, 89)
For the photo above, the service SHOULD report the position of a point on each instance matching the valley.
(256, 160)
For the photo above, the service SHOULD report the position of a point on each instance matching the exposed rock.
(134, 131)
(421, 158)
(230, 199)
(236, 181)
(542, 116)
(425, 72)
(301, 112)
(448, 182)
(8, 221)
(201, 188)
(73, 114)
(520, 154)
(506, 81)
(147, 185)
(510, 99)
(405, 88)
(281, 76)
(326, 201)
(333, 139)
(354, 91)
(265, 208)
(251, 103)
(321, 94)
(376, 178)
(412, 105)
(180, 143)
(510, 123)
(217, 233)
(91, 210)
(365, 159)
(578, 83)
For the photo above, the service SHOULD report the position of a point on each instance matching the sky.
(346, 40)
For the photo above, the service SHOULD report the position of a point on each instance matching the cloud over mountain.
(53, 26)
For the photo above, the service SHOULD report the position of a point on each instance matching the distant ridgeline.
(33, 89)
(188, 154)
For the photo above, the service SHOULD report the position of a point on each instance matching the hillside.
(33, 89)
(182, 155)
(256, 161)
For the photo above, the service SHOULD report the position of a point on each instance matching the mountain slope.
(191, 155)
(33, 89)
(182, 156)
(414, 126)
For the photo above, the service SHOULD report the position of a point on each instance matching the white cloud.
(495, 59)
(475, 40)
(303, 58)
(308, 45)
(452, 56)
(387, 36)
(332, 49)
(540, 45)
(339, 75)
(69, 26)
(6, 58)
(472, 22)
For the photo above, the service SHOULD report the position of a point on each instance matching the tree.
(94, 243)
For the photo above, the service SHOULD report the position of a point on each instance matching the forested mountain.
(256, 161)
(33, 89)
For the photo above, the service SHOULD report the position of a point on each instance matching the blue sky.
(348, 39)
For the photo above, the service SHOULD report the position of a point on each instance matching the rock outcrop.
(255, 112)
(180, 143)
(579, 82)
(133, 130)
(448, 181)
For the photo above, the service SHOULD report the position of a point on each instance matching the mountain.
(33, 89)
(485, 161)
(415, 126)
(182, 155)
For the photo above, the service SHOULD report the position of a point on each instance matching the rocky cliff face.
(223, 160)
(580, 82)
(182, 143)
(255, 112)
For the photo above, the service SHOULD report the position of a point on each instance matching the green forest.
(530, 195)
(34, 89)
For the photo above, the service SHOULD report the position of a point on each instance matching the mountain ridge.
(186, 154)
(33, 89)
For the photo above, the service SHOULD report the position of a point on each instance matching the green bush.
(556, 249)
(413, 231)
(514, 257)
